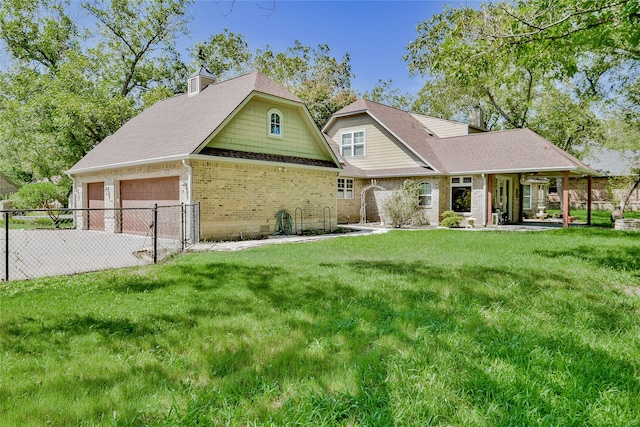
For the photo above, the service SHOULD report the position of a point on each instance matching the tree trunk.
(625, 199)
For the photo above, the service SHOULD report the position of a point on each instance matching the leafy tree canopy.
(67, 86)
(563, 68)
(77, 71)
(322, 81)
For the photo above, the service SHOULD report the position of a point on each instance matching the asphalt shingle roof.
(177, 126)
(517, 150)
(398, 122)
(507, 150)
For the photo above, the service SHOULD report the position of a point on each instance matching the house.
(7, 187)
(617, 168)
(487, 177)
(245, 149)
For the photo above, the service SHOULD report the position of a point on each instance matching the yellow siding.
(248, 131)
(442, 128)
(381, 149)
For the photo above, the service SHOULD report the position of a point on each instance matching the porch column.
(589, 200)
(489, 220)
(565, 200)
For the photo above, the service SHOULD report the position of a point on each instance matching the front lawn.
(440, 327)
(599, 218)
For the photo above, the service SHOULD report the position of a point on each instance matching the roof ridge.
(479, 134)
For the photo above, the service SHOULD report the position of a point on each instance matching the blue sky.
(375, 33)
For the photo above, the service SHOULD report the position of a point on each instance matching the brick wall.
(349, 209)
(604, 195)
(236, 200)
(242, 200)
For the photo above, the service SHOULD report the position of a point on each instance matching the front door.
(504, 188)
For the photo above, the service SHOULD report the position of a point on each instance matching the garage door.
(95, 219)
(145, 193)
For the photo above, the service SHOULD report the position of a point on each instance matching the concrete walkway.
(357, 230)
(280, 239)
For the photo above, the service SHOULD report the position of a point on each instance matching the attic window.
(274, 117)
(353, 144)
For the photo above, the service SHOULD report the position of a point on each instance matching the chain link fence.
(40, 243)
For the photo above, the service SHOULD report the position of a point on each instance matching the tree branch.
(540, 28)
(499, 109)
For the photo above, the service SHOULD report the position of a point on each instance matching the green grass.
(599, 218)
(35, 222)
(411, 328)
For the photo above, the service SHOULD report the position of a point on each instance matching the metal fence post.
(6, 244)
(183, 230)
(155, 233)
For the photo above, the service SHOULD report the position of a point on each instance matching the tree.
(541, 64)
(43, 195)
(67, 87)
(313, 74)
(603, 34)
(384, 93)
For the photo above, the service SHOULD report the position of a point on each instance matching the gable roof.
(508, 151)
(179, 126)
(399, 123)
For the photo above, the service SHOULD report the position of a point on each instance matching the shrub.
(403, 206)
(450, 219)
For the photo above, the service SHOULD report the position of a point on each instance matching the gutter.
(185, 157)
(574, 169)
(129, 164)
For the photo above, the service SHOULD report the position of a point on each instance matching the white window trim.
(430, 204)
(279, 113)
(364, 144)
(459, 184)
(525, 197)
(347, 191)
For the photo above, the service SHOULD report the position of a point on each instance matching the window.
(526, 196)
(424, 196)
(275, 122)
(345, 188)
(461, 193)
(353, 144)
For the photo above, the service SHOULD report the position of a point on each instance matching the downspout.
(189, 180)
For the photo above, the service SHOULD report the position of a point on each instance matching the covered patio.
(497, 195)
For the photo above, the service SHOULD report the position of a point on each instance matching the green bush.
(403, 207)
(450, 219)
